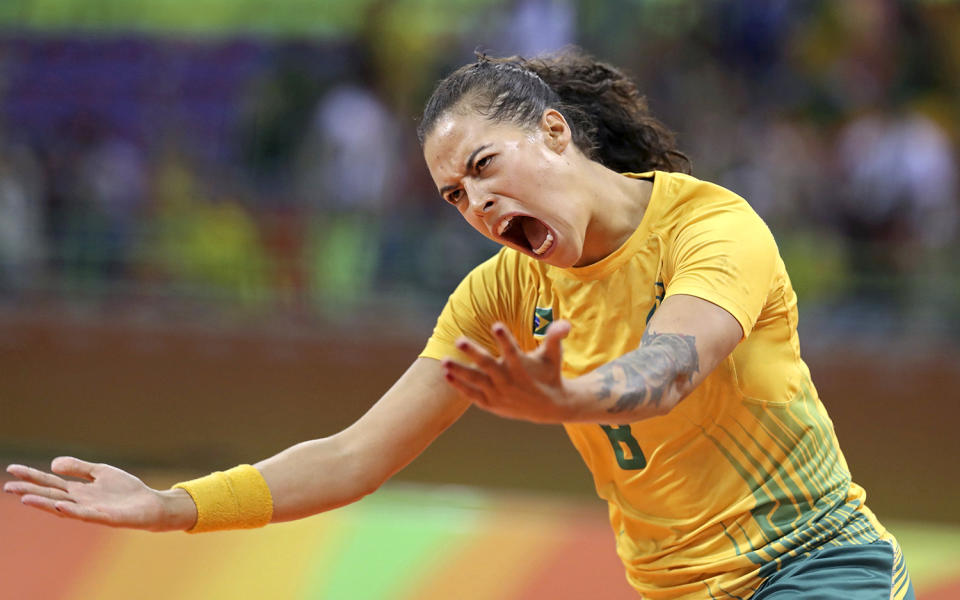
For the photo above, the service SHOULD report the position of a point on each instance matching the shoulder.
(684, 195)
(683, 206)
(495, 290)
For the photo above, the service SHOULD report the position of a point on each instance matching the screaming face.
(511, 184)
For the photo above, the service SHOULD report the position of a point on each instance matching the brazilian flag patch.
(542, 317)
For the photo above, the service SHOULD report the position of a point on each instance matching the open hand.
(518, 385)
(103, 494)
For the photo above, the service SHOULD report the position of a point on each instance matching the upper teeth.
(547, 242)
(503, 225)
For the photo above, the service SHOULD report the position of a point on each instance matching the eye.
(483, 162)
(454, 196)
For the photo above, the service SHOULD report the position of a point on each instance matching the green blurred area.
(252, 301)
(291, 18)
(220, 104)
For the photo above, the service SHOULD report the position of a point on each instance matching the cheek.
(474, 222)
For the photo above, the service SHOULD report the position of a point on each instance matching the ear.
(556, 130)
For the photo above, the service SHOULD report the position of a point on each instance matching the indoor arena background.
(218, 238)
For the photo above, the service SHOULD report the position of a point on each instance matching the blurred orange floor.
(403, 543)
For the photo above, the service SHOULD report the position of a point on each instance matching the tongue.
(535, 231)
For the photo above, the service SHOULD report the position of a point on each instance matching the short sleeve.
(483, 297)
(724, 253)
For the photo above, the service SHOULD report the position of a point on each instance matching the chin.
(563, 260)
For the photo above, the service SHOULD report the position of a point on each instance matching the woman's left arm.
(683, 342)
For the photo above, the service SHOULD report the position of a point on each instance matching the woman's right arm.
(304, 479)
(318, 475)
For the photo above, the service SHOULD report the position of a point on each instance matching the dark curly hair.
(608, 117)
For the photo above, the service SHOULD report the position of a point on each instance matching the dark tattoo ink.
(642, 377)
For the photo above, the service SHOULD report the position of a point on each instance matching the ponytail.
(608, 117)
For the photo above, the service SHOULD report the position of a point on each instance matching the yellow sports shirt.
(742, 474)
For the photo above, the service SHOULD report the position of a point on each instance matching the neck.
(619, 204)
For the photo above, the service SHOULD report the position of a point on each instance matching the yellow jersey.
(742, 474)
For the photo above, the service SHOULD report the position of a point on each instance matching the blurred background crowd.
(218, 237)
(258, 162)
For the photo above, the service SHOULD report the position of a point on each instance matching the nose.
(480, 202)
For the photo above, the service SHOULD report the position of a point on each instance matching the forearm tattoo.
(643, 376)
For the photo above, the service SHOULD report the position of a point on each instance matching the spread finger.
(74, 467)
(508, 345)
(23, 487)
(470, 392)
(470, 375)
(37, 476)
(476, 353)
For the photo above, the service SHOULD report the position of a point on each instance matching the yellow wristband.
(238, 498)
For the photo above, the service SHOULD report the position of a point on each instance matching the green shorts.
(851, 572)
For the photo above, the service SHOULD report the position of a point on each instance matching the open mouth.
(527, 233)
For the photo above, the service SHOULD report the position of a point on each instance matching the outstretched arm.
(684, 341)
(321, 474)
(305, 479)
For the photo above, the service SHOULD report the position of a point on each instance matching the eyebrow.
(468, 168)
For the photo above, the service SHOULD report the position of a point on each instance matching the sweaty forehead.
(454, 129)
(449, 143)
